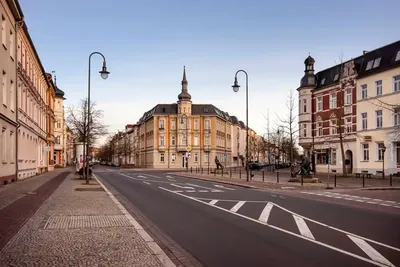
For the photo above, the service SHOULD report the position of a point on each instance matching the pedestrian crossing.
(279, 218)
(374, 201)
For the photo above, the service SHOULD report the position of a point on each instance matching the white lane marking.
(110, 170)
(159, 253)
(223, 187)
(370, 251)
(375, 201)
(183, 187)
(282, 230)
(203, 191)
(172, 180)
(303, 228)
(265, 213)
(152, 175)
(213, 202)
(169, 176)
(384, 204)
(141, 176)
(235, 200)
(190, 191)
(237, 206)
(204, 187)
(146, 183)
(287, 187)
(337, 229)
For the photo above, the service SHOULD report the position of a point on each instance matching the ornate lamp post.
(235, 88)
(104, 74)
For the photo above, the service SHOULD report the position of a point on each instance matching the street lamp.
(235, 88)
(104, 74)
(383, 160)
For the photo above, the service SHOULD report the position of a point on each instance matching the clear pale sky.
(147, 43)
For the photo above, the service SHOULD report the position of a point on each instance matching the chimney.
(365, 51)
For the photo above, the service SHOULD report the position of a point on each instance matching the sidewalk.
(269, 180)
(82, 225)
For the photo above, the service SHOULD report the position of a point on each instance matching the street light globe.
(235, 86)
(104, 73)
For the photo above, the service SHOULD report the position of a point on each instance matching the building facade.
(60, 159)
(10, 18)
(34, 103)
(331, 106)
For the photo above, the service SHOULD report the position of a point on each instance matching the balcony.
(181, 148)
(207, 148)
(162, 148)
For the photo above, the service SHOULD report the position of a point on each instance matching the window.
(333, 123)
(196, 157)
(196, 124)
(379, 121)
(377, 62)
(364, 121)
(3, 31)
(173, 157)
(162, 141)
(207, 124)
(336, 77)
(363, 91)
(173, 124)
(4, 88)
(333, 157)
(196, 140)
(173, 140)
(319, 129)
(349, 125)
(305, 105)
(12, 95)
(369, 65)
(348, 96)
(162, 157)
(319, 103)
(321, 157)
(379, 154)
(396, 83)
(184, 140)
(378, 85)
(365, 151)
(12, 47)
(396, 119)
(58, 124)
(304, 130)
(207, 140)
(333, 100)
(3, 145)
(161, 124)
(206, 157)
(323, 81)
(397, 56)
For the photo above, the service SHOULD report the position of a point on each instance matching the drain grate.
(86, 221)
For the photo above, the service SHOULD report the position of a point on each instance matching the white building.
(59, 129)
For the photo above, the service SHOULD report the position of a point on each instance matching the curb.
(381, 188)
(153, 246)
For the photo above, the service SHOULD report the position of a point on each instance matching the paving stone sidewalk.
(79, 228)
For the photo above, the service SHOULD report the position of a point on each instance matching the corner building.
(167, 131)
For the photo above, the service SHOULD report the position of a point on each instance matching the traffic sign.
(188, 148)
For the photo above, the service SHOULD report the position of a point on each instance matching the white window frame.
(319, 103)
(379, 119)
(377, 62)
(207, 140)
(304, 105)
(396, 119)
(348, 97)
(320, 128)
(379, 86)
(4, 145)
(173, 140)
(162, 157)
(364, 91)
(365, 151)
(196, 157)
(304, 130)
(4, 87)
(333, 100)
(161, 124)
(364, 121)
(196, 124)
(333, 156)
(349, 124)
(333, 126)
(162, 140)
(196, 140)
(396, 83)
(173, 157)
(173, 124)
(206, 157)
(379, 151)
(207, 124)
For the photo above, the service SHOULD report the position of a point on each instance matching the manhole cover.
(86, 221)
(89, 189)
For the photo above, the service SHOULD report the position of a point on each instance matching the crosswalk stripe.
(302, 226)
(370, 251)
(238, 206)
(265, 213)
(213, 202)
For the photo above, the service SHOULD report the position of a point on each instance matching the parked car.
(255, 166)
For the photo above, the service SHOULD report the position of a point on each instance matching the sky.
(147, 43)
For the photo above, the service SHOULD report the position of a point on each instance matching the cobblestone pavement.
(78, 228)
(14, 191)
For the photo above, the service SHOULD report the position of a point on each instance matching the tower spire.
(55, 77)
(184, 81)
(184, 95)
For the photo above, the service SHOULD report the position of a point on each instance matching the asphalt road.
(223, 225)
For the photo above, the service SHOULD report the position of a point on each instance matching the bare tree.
(77, 121)
(126, 146)
(289, 123)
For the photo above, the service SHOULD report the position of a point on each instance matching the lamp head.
(104, 73)
(235, 86)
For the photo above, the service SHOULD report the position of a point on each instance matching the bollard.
(363, 177)
(230, 173)
(263, 177)
(302, 180)
(191, 169)
(240, 174)
(390, 179)
(334, 179)
(277, 177)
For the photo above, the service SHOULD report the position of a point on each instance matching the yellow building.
(168, 131)
(378, 111)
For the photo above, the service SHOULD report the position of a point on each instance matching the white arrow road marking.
(237, 206)
(303, 228)
(370, 251)
(183, 187)
(265, 213)
(211, 189)
(223, 187)
(262, 221)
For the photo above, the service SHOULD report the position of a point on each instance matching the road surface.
(224, 225)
